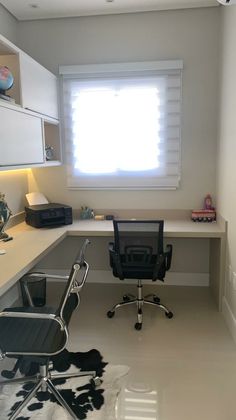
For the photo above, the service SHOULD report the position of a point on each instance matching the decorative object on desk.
(109, 217)
(99, 217)
(86, 213)
(5, 214)
(203, 215)
(49, 152)
(6, 82)
(207, 214)
(208, 203)
(87, 403)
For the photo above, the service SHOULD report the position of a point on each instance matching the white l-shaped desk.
(30, 245)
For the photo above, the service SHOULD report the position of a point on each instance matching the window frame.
(119, 71)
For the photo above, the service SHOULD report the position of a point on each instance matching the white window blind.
(122, 125)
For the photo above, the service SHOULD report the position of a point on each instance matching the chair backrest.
(140, 233)
(137, 246)
(44, 331)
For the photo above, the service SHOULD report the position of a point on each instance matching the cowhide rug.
(88, 403)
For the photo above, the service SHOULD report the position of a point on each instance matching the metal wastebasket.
(33, 289)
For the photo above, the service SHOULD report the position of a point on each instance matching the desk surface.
(30, 245)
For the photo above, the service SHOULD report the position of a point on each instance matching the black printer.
(51, 214)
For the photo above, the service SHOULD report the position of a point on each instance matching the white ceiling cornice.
(46, 9)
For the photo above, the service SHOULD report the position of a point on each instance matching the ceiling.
(45, 9)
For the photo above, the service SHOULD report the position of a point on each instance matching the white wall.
(15, 185)
(227, 150)
(191, 35)
(8, 25)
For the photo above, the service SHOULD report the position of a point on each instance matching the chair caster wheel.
(95, 382)
(169, 314)
(110, 314)
(156, 299)
(138, 326)
(126, 298)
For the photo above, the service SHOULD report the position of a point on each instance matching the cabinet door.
(21, 138)
(38, 87)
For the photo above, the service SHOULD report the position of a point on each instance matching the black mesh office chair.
(137, 253)
(39, 333)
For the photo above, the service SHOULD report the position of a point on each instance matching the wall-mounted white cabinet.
(21, 138)
(30, 117)
(38, 87)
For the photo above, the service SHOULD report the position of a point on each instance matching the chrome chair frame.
(43, 379)
(139, 301)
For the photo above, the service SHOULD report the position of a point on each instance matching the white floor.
(182, 368)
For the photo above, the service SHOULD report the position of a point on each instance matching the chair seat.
(22, 335)
(140, 273)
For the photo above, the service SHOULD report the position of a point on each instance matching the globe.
(6, 79)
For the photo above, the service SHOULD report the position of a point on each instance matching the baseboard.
(172, 278)
(229, 317)
(106, 277)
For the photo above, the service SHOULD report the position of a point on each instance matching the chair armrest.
(163, 263)
(76, 288)
(79, 263)
(81, 257)
(168, 256)
(158, 272)
(115, 262)
(111, 246)
(111, 252)
(48, 276)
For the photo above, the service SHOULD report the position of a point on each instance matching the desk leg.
(217, 269)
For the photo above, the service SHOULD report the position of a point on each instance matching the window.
(122, 125)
